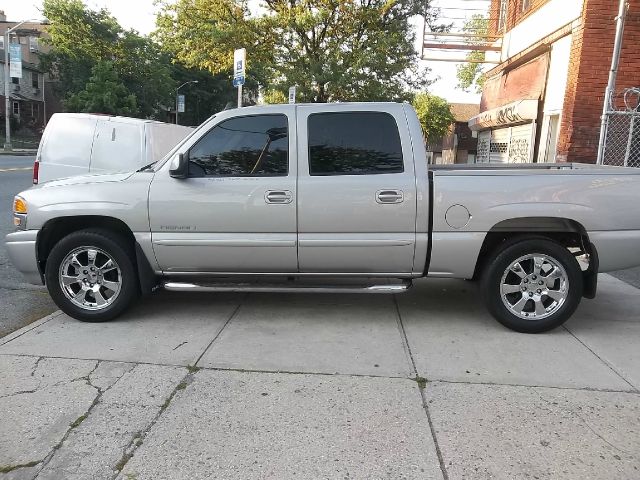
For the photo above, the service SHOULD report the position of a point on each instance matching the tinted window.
(244, 146)
(354, 143)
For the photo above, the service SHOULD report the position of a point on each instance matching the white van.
(83, 143)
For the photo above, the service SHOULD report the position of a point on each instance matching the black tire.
(113, 245)
(557, 313)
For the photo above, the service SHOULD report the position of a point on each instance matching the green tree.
(81, 38)
(104, 93)
(434, 114)
(470, 74)
(331, 49)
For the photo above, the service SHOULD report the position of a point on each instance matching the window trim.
(35, 76)
(188, 152)
(335, 174)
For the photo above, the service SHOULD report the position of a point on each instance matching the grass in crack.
(11, 468)
(123, 461)
(421, 381)
(78, 421)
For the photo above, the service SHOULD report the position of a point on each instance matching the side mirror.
(179, 166)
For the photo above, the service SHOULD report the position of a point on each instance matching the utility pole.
(613, 74)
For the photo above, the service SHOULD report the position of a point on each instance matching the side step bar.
(277, 288)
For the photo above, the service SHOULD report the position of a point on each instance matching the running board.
(276, 288)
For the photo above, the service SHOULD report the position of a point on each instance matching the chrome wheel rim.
(534, 286)
(90, 278)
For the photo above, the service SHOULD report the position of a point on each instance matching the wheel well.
(56, 229)
(568, 233)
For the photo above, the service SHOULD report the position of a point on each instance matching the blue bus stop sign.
(237, 81)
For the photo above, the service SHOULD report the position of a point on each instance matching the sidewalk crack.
(76, 423)
(35, 366)
(422, 383)
(609, 366)
(231, 317)
(138, 438)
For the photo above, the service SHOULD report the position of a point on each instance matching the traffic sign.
(239, 62)
(292, 94)
(180, 103)
(239, 80)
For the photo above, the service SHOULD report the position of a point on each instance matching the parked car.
(82, 143)
(288, 198)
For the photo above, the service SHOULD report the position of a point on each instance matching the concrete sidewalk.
(423, 385)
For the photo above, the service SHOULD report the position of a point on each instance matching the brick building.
(542, 102)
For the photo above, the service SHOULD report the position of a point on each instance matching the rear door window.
(354, 143)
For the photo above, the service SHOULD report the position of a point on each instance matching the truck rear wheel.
(90, 275)
(532, 285)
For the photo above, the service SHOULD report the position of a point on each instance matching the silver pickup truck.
(327, 197)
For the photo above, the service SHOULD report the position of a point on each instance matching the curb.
(13, 335)
(19, 153)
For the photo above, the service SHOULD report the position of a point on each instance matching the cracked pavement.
(422, 385)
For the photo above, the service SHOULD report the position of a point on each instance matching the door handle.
(389, 196)
(278, 196)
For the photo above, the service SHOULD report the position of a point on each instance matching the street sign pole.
(239, 64)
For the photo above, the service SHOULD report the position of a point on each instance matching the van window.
(254, 146)
(117, 147)
(354, 143)
(68, 141)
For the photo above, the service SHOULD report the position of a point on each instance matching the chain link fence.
(622, 136)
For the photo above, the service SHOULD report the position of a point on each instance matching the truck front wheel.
(532, 285)
(90, 275)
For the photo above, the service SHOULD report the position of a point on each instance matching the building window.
(15, 80)
(526, 5)
(502, 16)
(33, 44)
(16, 108)
(34, 80)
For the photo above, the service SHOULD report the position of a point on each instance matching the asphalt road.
(20, 303)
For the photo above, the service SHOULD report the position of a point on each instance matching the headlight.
(19, 205)
(20, 213)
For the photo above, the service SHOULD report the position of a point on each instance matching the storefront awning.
(511, 114)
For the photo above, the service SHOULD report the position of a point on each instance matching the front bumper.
(21, 247)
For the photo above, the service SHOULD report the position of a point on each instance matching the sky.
(140, 15)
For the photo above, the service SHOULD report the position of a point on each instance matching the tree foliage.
(81, 39)
(330, 49)
(104, 93)
(434, 114)
(470, 74)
